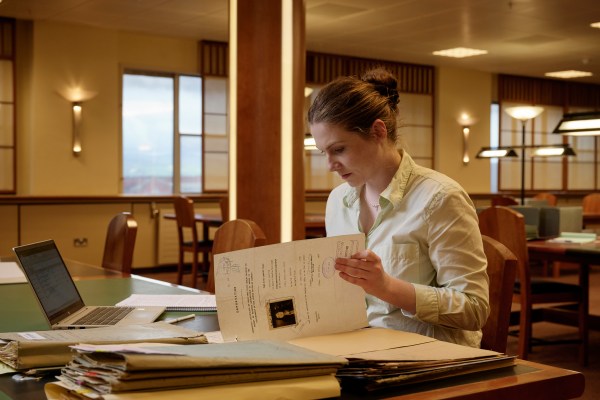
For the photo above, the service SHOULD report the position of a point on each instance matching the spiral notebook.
(173, 302)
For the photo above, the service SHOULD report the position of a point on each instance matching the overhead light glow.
(579, 124)
(459, 52)
(568, 74)
(595, 25)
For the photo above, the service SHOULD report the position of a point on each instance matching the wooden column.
(267, 69)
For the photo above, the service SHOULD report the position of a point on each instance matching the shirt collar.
(395, 190)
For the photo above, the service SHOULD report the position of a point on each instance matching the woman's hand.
(365, 270)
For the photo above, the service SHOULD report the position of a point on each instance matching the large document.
(288, 290)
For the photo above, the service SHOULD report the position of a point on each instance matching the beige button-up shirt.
(426, 233)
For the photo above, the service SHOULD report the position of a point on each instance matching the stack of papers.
(172, 302)
(380, 358)
(574, 237)
(11, 273)
(99, 370)
(27, 350)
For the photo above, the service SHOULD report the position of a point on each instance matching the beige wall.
(64, 56)
(458, 91)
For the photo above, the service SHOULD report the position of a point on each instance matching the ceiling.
(522, 37)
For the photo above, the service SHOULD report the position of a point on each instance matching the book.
(173, 302)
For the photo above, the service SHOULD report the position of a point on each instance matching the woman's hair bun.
(384, 83)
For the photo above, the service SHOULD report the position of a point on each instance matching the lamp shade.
(579, 124)
(550, 151)
(524, 113)
(496, 152)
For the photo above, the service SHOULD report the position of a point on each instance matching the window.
(162, 133)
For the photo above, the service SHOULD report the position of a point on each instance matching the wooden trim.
(521, 89)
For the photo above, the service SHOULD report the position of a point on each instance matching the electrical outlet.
(80, 242)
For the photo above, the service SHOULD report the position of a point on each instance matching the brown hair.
(354, 104)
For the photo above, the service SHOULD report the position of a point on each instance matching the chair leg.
(194, 270)
(180, 267)
(583, 334)
(205, 265)
(524, 331)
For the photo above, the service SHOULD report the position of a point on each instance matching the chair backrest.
(184, 214)
(549, 197)
(234, 235)
(508, 227)
(224, 207)
(184, 211)
(504, 201)
(591, 203)
(501, 269)
(120, 242)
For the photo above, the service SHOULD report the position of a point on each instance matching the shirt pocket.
(400, 260)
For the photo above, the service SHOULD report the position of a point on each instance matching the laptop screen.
(50, 279)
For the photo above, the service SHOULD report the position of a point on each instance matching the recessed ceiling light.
(595, 25)
(568, 74)
(459, 52)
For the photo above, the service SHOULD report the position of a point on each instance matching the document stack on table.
(196, 371)
(43, 349)
(381, 358)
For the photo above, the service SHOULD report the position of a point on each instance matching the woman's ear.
(378, 129)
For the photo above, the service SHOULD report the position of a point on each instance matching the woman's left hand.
(365, 270)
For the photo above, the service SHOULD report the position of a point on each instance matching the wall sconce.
(77, 96)
(579, 124)
(77, 111)
(465, 121)
(309, 142)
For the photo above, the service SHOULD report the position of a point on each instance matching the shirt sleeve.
(460, 299)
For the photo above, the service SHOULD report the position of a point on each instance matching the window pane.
(147, 134)
(190, 105)
(191, 164)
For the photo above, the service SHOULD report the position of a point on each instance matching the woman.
(424, 269)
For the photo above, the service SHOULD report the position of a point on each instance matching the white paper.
(288, 290)
(11, 273)
(171, 301)
(137, 348)
(574, 237)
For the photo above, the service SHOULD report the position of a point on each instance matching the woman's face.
(349, 154)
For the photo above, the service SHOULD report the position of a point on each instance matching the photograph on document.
(288, 290)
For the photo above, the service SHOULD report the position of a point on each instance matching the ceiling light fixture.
(568, 74)
(579, 124)
(595, 25)
(459, 52)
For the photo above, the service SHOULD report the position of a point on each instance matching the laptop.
(59, 298)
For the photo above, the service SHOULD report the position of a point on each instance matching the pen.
(175, 320)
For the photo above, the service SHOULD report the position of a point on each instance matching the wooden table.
(20, 311)
(582, 254)
(314, 222)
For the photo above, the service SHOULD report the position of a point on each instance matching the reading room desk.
(98, 287)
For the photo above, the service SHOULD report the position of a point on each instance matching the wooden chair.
(502, 268)
(591, 203)
(119, 243)
(186, 223)
(549, 197)
(508, 227)
(233, 235)
(504, 201)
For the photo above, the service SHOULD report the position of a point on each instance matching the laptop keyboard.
(104, 316)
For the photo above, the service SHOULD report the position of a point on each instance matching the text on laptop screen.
(51, 280)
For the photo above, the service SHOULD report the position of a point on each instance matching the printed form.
(288, 290)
